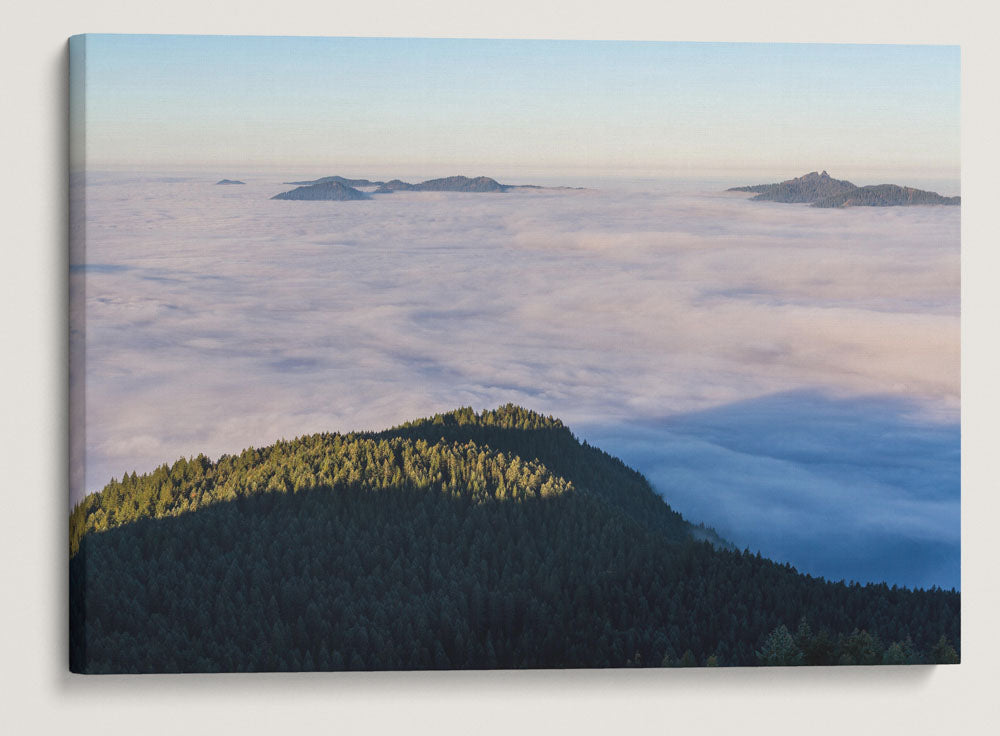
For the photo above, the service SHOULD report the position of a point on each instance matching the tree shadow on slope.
(406, 578)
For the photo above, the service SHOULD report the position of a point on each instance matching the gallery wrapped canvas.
(408, 354)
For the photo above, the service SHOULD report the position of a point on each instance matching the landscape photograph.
(454, 354)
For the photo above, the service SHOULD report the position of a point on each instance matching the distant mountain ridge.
(460, 184)
(885, 195)
(339, 180)
(229, 181)
(343, 188)
(396, 185)
(822, 190)
(808, 188)
(328, 190)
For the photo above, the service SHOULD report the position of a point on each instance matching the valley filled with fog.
(785, 374)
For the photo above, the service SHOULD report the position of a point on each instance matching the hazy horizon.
(707, 181)
(878, 113)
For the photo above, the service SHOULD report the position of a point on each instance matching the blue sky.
(546, 106)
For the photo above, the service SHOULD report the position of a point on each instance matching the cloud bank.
(216, 319)
(854, 488)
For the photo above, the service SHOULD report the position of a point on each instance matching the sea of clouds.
(788, 375)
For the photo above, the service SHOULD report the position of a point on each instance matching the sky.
(786, 374)
(869, 113)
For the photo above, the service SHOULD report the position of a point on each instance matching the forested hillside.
(461, 541)
(807, 188)
(885, 195)
(324, 191)
(822, 190)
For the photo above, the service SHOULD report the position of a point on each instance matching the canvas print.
(412, 354)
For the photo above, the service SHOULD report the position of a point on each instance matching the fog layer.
(787, 374)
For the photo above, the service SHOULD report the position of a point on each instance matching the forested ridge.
(822, 190)
(340, 188)
(885, 195)
(810, 187)
(460, 541)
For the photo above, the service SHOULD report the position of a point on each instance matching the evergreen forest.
(462, 541)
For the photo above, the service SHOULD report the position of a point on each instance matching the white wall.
(38, 695)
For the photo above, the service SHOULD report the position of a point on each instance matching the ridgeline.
(465, 540)
(342, 188)
(822, 190)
